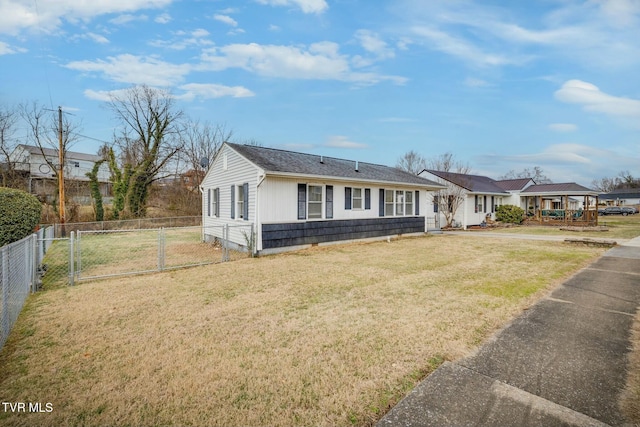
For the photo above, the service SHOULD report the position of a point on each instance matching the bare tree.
(200, 144)
(536, 174)
(8, 143)
(412, 162)
(453, 196)
(604, 185)
(148, 140)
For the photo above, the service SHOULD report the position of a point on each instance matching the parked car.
(617, 210)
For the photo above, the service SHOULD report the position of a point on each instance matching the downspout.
(201, 190)
(258, 225)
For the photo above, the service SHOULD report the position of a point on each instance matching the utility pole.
(61, 207)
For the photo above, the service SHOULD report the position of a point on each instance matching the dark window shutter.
(381, 203)
(209, 202)
(476, 204)
(216, 194)
(367, 198)
(417, 202)
(493, 204)
(302, 201)
(329, 201)
(233, 202)
(484, 205)
(347, 198)
(245, 204)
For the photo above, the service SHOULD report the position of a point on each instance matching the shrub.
(510, 213)
(19, 214)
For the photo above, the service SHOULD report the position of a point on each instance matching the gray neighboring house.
(622, 197)
(295, 200)
(34, 163)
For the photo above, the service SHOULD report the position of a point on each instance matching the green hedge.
(19, 215)
(510, 213)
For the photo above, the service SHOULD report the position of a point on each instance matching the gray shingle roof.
(275, 161)
(473, 183)
(513, 184)
(565, 188)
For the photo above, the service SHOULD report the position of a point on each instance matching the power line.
(46, 70)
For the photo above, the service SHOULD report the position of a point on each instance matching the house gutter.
(356, 180)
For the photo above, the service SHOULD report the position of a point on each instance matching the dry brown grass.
(326, 336)
(630, 399)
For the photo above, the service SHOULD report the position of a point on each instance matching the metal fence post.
(6, 327)
(71, 260)
(161, 246)
(33, 268)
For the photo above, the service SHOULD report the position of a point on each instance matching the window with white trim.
(398, 203)
(240, 201)
(408, 202)
(356, 197)
(314, 202)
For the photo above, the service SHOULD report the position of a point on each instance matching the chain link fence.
(65, 230)
(108, 253)
(18, 278)
(44, 261)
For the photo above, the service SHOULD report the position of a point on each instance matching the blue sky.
(503, 85)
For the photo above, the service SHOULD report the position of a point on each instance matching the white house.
(295, 200)
(542, 202)
(35, 162)
(622, 197)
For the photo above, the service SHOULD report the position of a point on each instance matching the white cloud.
(563, 127)
(5, 49)
(372, 43)
(597, 33)
(97, 38)
(320, 61)
(209, 91)
(225, 19)
(464, 49)
(134, 70)
(620, 12)
(339, 141)
(163, 18)
(307, 6)
(592, 99)
(184, 40)
(18, 15)
(127, 18)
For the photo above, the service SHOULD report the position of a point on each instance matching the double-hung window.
(240, 201)
(357, 198)
(389, 204)
(314, 204)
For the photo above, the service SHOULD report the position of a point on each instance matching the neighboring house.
(479, 196)
(542, 202)
(621, 197)
(42, 179)
(295, 200)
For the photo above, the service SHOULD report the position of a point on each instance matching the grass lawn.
(618, 227)
(325, 336)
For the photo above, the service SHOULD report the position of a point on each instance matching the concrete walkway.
(561, 363)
